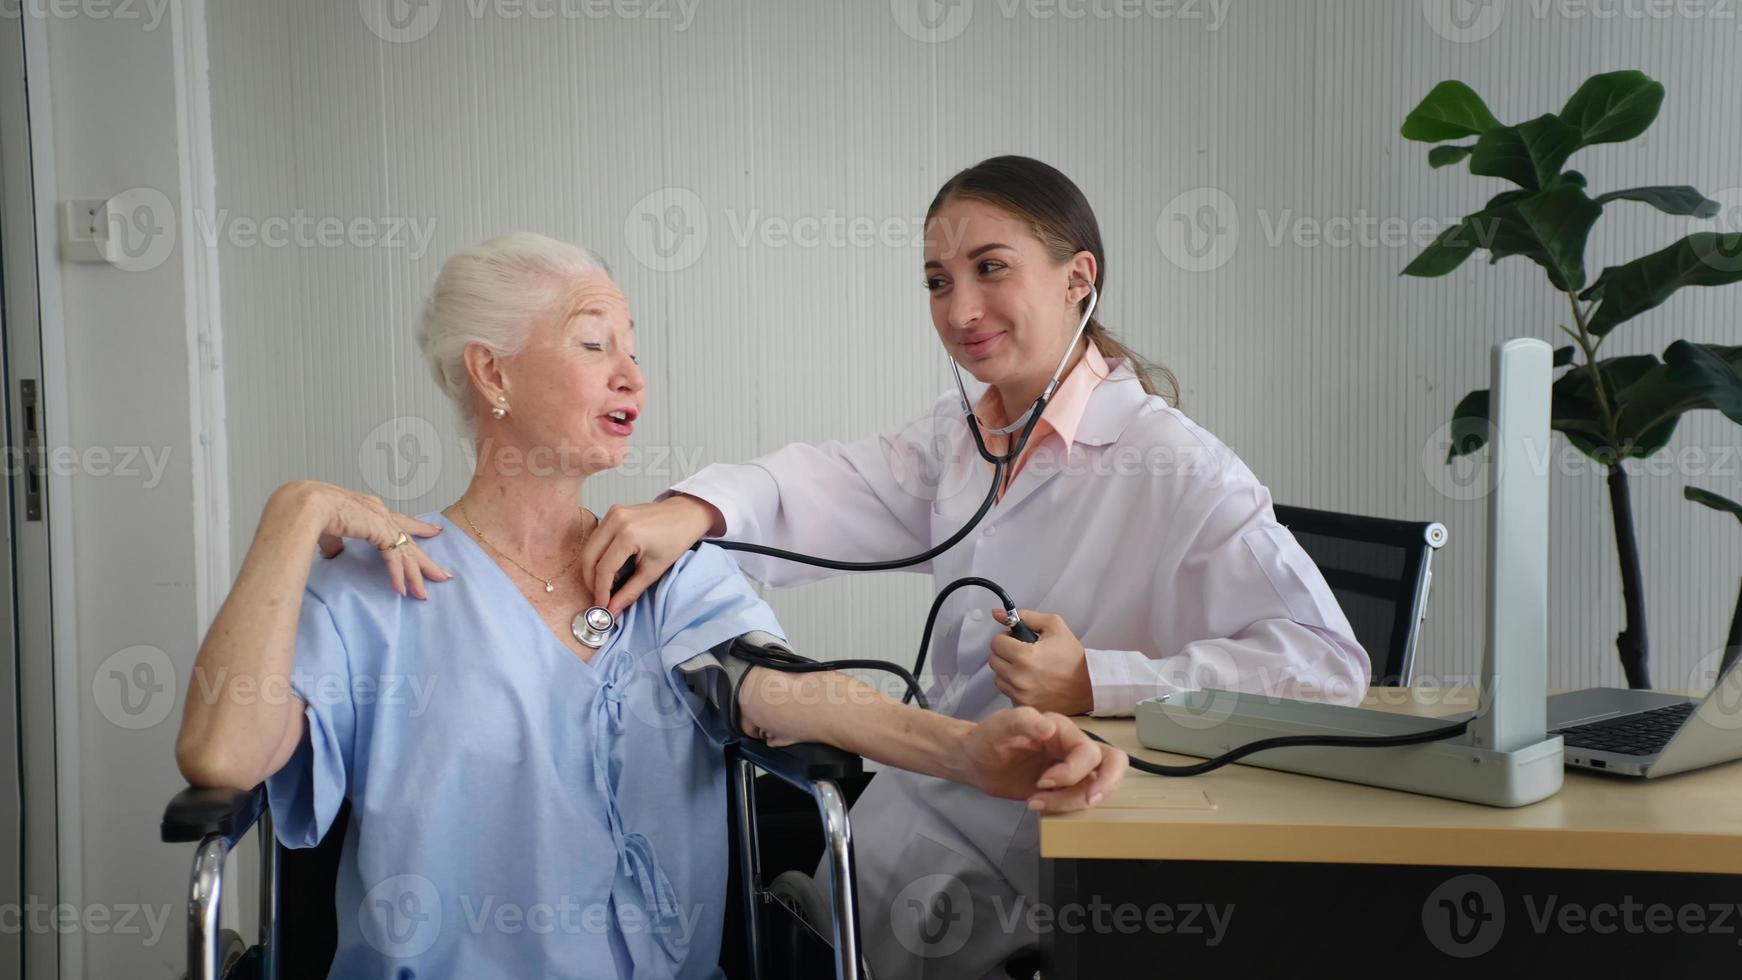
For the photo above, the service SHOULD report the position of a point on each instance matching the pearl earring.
(500, 410)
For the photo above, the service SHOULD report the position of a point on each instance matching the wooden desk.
(1687, 822)
(1319, 862)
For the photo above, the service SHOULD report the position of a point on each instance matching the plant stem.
(1632, 639)
(1632, 642)
(1733, 645)
(1597, 385)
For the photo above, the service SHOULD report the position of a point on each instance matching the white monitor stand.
(1506, 757)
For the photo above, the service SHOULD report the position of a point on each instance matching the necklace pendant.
(548, 587)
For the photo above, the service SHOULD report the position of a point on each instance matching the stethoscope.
(1039, 406)
(1025, 423)
(594, 627)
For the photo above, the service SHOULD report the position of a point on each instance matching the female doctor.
(1148, 551)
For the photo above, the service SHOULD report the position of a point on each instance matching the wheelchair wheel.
(801, 893)
(810, 905)
(231, 950)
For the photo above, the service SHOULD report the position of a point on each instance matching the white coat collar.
(1112, 406)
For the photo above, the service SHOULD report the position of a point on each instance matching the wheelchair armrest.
(199, 812)
(802, 764)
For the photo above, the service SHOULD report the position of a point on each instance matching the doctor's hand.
(1021, 753)
(1050, 674)
(656, 535)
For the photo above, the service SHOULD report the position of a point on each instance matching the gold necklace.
(549, 583)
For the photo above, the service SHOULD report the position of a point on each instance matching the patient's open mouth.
(620, 422)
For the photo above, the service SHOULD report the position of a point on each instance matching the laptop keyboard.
(1645, 733)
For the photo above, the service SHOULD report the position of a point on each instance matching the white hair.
(494, 294)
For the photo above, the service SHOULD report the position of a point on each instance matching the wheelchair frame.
(218, 819)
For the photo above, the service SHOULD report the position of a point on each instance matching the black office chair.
(297, 934)
(1380, 571)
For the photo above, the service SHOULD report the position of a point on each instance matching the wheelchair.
(779, 942)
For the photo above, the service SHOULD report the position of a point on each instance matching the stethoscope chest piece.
(594, 626)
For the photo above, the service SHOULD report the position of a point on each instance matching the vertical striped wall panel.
(1303, 349)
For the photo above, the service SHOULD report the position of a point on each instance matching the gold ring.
(402, 540)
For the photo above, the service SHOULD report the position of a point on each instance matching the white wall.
(1327, 371)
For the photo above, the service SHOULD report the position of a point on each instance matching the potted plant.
(1611, 408)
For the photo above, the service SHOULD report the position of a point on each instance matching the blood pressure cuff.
(716, 676)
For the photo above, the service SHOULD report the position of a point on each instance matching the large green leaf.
(1451, 247)
(1713, 501)
(1613, 106)
(1639, 447)
(1548, 227)
(1639, 385)
(1451, 111)
(1691, 377)
(1505, 197)
(1578, 413)
(1469, 425)
(1445, 253)
(1529, 154)
(1714, 372)
(1618, 372)
(1574, 411)
(1679, 199)
(1704, 258)
(1445, 156)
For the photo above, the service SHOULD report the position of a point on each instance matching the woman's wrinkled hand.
(1021, 753)
(342, 513)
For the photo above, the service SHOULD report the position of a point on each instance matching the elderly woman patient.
(525, 805)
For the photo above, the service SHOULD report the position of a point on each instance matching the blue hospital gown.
(516, 811)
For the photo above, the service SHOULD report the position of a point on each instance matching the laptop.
(1646, 734)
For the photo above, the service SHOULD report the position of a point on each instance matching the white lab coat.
(1151, 539)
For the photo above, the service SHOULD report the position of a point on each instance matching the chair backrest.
(1379, 570)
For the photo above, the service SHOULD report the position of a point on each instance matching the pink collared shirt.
(1062, 416)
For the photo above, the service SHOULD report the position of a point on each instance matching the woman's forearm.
(840, 710)
(240, 709)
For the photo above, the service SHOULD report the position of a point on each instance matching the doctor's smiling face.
(1003, 303)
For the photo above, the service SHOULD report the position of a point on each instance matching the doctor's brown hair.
(1061, 218)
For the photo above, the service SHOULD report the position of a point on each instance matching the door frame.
(46, 620)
